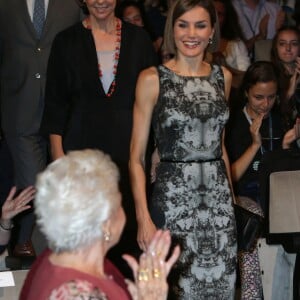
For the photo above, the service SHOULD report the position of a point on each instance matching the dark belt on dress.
(190, 161)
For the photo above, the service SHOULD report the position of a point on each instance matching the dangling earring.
(210, 41)
(106, 235)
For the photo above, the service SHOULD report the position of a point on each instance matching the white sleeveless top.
(106, 61)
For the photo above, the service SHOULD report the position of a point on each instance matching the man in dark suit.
(27, 29)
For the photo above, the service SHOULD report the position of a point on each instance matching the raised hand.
(13, 206)
(254, 130)
(152, 270)
(295, 79)
(291, 135)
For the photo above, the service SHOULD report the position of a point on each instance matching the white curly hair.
(75, 195)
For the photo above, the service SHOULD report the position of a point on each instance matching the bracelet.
(11, 225)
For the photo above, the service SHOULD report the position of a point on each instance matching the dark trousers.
(6, 171)
(29, 156)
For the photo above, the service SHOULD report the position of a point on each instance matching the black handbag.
(249, 227)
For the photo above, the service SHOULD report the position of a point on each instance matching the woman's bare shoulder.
(148, 79)
(227, 74)
(150, 74)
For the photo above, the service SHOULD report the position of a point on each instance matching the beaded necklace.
(112, 87)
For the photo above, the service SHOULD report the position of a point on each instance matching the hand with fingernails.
(254, 130)
(291, 135)
(152, 270)
(12, 207)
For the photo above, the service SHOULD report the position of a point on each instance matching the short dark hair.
(258, 72)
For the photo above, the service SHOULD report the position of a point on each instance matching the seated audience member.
(133, 12)
(232, 52)
(250, 133)
(285, 55)
(10, 208)
(78, 206)
(259, 19)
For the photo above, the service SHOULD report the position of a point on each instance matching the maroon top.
(45, 278)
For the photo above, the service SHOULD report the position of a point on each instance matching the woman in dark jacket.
(90, 89)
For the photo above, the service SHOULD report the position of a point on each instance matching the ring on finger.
(156, 253)
(143, 275)
(156, 273)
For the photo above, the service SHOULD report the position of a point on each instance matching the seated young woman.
(251, 132)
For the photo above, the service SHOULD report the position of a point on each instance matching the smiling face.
(192, 31)
(261, 98)
(101, 9)
(288, 46)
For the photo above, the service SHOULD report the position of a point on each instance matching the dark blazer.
(76, 106)
(23, 61)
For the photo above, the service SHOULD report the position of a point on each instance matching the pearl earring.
(106, 236)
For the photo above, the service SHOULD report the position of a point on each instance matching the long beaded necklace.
(112, 87)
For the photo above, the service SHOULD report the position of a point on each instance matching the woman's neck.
(104, 34)
(89, 260)
(189, 66)
(107, 26)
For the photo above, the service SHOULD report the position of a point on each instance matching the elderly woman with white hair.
(78, 207)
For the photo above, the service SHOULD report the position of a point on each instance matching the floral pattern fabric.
(77, 290)
(191, 195)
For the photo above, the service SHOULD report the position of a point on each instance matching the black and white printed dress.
(191, 195)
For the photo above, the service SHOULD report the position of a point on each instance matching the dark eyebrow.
(284, 40)
(202, 21)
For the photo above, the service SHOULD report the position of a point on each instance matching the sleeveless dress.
(191, 196)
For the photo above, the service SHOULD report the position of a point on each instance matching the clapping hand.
(295, 79)
(254, 129)
(291, 135)
(13, 206)
(151, 272)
